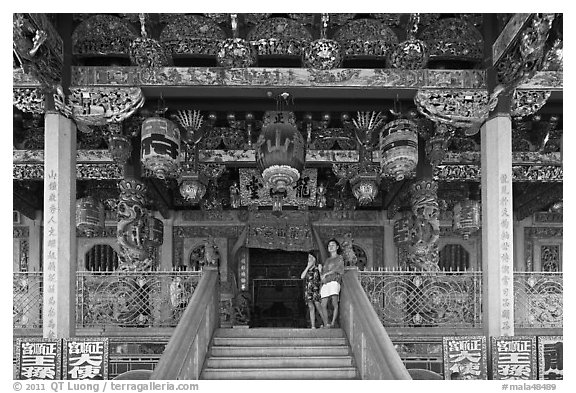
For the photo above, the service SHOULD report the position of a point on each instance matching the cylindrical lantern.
(155, 230)
(160, 146)
(399, 148)
(364, 188)
(89, 215)
(466, 217)
(280, 150)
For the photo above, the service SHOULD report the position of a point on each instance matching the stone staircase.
(269, 353)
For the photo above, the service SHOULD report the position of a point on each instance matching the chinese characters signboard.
(85, 358)
(253, 190)
(38, 358)
(464, 357)
(550, 357)
(513, 357)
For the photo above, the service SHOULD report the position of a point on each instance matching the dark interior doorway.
(277, 290)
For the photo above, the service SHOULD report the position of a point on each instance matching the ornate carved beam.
(267, 78)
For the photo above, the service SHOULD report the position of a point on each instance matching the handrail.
(184, 355)
(374, 352)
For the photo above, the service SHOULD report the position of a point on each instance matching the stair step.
(275, 332)
(278, 361)
(230, 351)
(280, 373)
(278, 341)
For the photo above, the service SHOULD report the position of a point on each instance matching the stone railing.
(184, 355)
(147, 299)
(420, 299)
(538, 300)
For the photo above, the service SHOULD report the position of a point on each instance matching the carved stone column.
(59, 243)
(497, 227)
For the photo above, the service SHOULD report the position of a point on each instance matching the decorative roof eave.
(278, 77)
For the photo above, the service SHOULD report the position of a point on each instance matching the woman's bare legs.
(322, 314)
(324, 304)
(335, 300)
(312, 314)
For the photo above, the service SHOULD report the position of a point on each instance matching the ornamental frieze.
(28, 99)
(248, 156)
(108, 232)
(543, 232)
(549, 80)
(518, 158)
(83, 171)
(182, 232)
(537, 173)
(19, 232)
(548, 217)
(371, 232)
(457, 173)
(21, 79)
(209, 215)
(82, 156)
(340, 215)
(281, 77)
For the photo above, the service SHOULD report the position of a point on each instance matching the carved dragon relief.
(131, 230)
(426, 228)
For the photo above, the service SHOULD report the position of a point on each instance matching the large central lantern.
(280, 150)
(160, 146)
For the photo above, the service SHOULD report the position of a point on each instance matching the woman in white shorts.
(331, 276)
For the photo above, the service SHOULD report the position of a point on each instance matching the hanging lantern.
(364, 188)
(466, 217)
(120, 148)
(89, 215)
(191, 188)
(155, 231)
(160, 146)
(399, 148)
(280, 152)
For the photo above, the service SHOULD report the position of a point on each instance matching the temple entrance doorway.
(277, 289)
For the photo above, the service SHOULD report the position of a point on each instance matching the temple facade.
(171, 173)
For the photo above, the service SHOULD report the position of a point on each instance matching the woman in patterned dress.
(311, 276)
